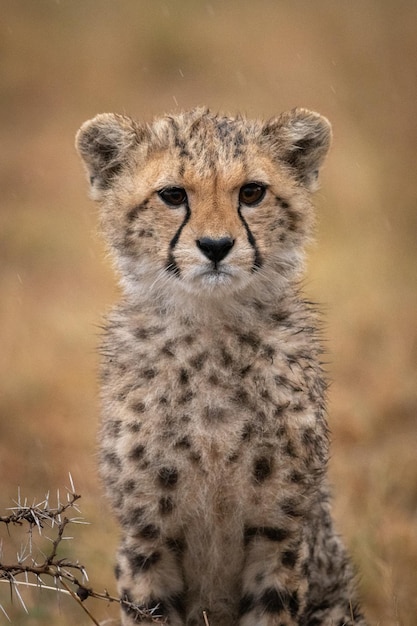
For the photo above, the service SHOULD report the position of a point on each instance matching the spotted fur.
(214, 443)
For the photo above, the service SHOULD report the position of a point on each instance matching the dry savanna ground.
(61, 62)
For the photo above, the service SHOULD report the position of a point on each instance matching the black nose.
(215, 249)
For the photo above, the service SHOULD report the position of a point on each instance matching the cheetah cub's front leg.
(274, 587)
(150, 582)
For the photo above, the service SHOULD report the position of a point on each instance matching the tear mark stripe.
(257, 261)
(171, 265)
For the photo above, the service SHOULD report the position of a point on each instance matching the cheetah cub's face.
(203, 202)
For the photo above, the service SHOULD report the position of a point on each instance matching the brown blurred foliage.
(61, 62)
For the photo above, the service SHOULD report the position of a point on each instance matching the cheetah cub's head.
(205, 203)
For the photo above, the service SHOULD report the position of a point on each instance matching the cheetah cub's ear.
(302, 139)
(104, 143)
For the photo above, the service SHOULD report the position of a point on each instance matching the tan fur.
(214, 439)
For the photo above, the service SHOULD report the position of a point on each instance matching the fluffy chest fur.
(209, 386)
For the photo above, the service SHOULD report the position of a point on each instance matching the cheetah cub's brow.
(300, 138)
(213, 439)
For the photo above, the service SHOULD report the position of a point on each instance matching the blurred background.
(63, 61)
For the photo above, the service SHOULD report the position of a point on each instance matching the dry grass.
(62, 62)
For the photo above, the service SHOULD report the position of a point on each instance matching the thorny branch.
(69, 577)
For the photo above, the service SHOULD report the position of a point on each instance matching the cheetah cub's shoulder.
(214, 440)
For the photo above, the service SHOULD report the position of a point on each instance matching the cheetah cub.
(214, 443)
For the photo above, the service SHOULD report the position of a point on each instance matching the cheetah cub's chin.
(214, 441)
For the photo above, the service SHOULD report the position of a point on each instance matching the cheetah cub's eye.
(251, 194)
(173, 196)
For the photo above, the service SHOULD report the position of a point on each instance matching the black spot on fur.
(246, 604)
(238, 145)
(245, 370)
(294, 220)
(185, 398)
(294, 604)
(146, 232)
(289, 558)
(280, 317)
(135, 516)
(149, 373)
(134, 427)
(324, 605)
(355, 610)
(142, 333)
(268, 352)
(282, 203)
(168, 477)
(138, 407)
(168, 348)
(308, 437)
(247, 432)
(198, 361)
(112, 459)
(297, 477)
(298, 408)
(134, 212)
(183, 377)
(142, 563)
(272, 601)
(113, 428)
(249, 339)
(291, 507)
(183, 443)
(176, 545)
(262, 469)
(149, 532)
(137, 452)
(268, 532)
(166, 505)
(242, 397)
(129, 486)
(181, 145)
(117, 572)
